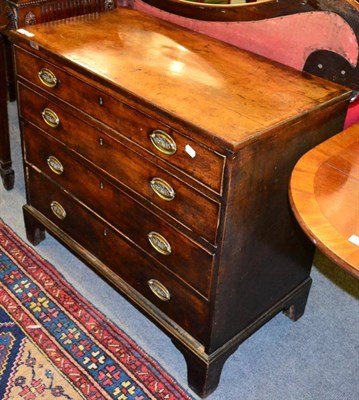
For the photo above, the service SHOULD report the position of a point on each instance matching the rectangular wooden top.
(229, 93)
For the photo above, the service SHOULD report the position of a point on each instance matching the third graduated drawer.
(175, 197)
(197, 160)
(167, 245)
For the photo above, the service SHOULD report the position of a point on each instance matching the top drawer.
(194, 159)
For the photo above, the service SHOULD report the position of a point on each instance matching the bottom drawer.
(181, 305)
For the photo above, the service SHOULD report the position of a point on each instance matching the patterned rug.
(54, 344)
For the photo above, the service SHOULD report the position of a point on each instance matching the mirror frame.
(262, 9)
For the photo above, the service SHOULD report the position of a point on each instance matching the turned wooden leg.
(6, 172)
(295, 308)
(10, 71)
(35, 232)
(203, 373)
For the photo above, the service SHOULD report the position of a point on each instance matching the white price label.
(190, 150)
(354, 239)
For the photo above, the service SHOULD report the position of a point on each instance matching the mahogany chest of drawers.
(162, 158)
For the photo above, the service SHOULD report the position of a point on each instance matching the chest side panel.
(264, 253)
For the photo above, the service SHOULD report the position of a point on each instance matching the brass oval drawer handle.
(58, 210)
(163, 142)
(159, 243)
(50, 117)
(47, 77)
(55, 165)
(163, 189)
(159, 290)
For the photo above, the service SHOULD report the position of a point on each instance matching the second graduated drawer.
(196, 211)
(166, 244)
(158, 138)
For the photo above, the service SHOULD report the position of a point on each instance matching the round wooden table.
(324, 194)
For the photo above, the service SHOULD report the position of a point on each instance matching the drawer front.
(183, 306)
(167, 245)
(196, 160)
(190, 207)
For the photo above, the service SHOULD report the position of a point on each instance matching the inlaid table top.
(324, 194)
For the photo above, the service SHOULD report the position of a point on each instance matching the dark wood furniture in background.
(6, 171)
(21, 13)
(7, 174)
(324, 193)
(162, 158)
